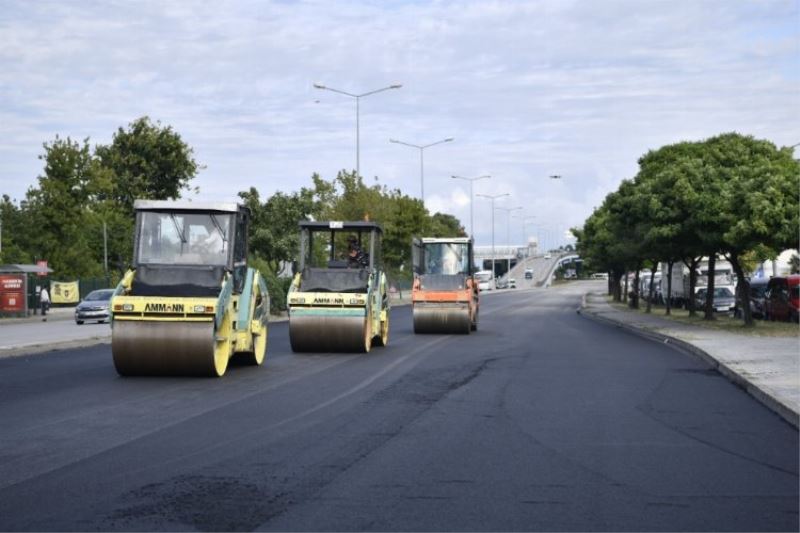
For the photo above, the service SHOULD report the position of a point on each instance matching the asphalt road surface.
(543, 420)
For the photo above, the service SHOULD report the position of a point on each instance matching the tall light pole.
(421, 148)
(471, 199)
(508, 211)
(493, 198)
(358, 98)
(524, 220)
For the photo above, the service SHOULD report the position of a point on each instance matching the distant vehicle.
(724, 299)
(94, 307)
(528, 273)
(758, 289)
(485, 281)
(783, 298)
(600, 275)
(723, 276)
(512, 283)
(547, 256)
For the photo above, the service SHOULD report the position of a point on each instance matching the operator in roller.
(356, 257)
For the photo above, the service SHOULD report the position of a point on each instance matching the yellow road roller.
(445, 294)
(337, 300)
(190, 303)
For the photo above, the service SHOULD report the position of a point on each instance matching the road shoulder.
(767, 368)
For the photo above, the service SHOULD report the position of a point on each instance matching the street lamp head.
(449, 139)
(555, 176)
(485, 176)
(393, 141)
(396, 86)
(319, 86)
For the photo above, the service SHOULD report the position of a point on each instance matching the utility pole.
(358, 98)
(493, 198)
(105, 248)
(471, 199)
(421, 148)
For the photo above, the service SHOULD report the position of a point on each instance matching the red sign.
(12, 294)
(43, 266)
(10, 282)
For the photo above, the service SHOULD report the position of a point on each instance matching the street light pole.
(508, 211)
(105, 248)
(493, 198)
(421, 148)
(471, 199)
(358, 98)
(524, 220)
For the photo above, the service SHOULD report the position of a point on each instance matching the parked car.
(94, 307)
(724, 299)
(758, 289)
(547, 256)
(782, 298)
(512, 283)
(528, 273)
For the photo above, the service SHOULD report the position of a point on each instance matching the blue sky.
(527, 89)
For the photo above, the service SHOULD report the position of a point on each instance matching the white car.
(547, 256)
(512, 283)
(484, 280)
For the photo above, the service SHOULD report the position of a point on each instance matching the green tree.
(16, 233)
(794, 264)
(758, 199)
(273, 227)
(669, 174)
(58, 208)
(148, 161)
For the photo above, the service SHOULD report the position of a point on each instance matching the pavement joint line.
(736, 377)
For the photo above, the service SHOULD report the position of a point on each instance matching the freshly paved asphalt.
(543, 420)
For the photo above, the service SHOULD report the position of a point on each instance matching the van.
(484, 279)
(782, 298)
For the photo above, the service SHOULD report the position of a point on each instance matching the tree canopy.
(730, 195)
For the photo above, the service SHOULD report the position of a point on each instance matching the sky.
(527, 90)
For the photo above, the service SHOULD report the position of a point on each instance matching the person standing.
(44, 301)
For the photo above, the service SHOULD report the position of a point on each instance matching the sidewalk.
(55, 313)
(768, 368)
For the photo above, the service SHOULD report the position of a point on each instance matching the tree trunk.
(668, 301)
(613, 279)
(625, 296)
(743, 290)
(712, 267)
(693, 262)
(652, 287)
(636, 284)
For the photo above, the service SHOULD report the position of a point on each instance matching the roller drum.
(441, 318)
(329, 334)
(156, 348)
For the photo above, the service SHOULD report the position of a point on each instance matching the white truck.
(723, 277)
(485, 280)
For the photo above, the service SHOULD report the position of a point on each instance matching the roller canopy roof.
(337, 224)
(169, 205)
(446, 240)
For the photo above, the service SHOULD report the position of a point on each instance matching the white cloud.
(528, 89)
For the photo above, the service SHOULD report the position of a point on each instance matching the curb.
(767, 399)
(33, 349)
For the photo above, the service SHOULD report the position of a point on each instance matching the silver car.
(94, 307)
